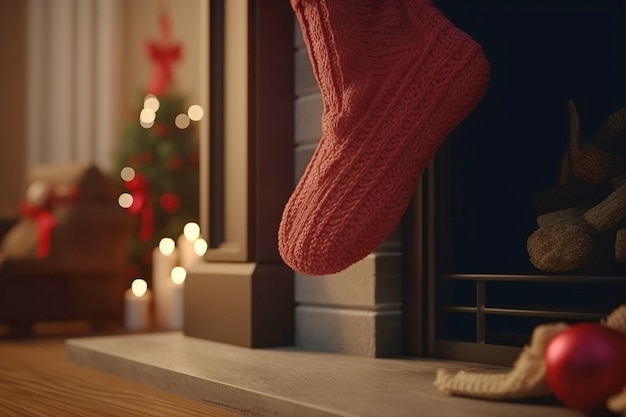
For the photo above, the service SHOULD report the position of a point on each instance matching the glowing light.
(147, 115)
(151, 102)
(139, 287)
(182, 121)
(195, 112)
(127, 174)
(191, 231)
(166, 246)
(200, 247)
(125, 200)
(178, 275)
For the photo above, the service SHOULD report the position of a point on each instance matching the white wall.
(73, 80)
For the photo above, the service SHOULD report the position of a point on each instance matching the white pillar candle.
(185, 243)
(137, 300)
(164, 258)
(178, 300)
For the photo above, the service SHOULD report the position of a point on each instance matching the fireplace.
(487, 296)
(457, 281)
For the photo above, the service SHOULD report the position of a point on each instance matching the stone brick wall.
(357, 311)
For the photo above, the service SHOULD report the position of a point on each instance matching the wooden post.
(242, 293)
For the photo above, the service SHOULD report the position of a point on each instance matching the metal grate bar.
(568, 279)
(482, 312)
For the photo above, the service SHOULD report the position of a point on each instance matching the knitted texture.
(527, 377)
(525, 380)
(396, 78)
(609, 213)
(620, 245)
(560, 247)
(617, 403)
(617, 319)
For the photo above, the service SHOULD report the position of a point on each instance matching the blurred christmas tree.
(158, 158)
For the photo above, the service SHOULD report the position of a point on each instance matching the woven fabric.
(527, 377)
(525, 380)
(617, 319)
(617, 403)
(396, 78)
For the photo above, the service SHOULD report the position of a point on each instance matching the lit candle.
(188, 256)
(178, 300)
(200, 247)
(164, 258)
(137, 301)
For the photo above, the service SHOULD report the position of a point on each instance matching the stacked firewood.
(582, 221)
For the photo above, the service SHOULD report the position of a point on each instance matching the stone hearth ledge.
(289, 382)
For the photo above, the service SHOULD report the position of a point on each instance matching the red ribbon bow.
(44, 223)
(44, 219)
(164, 53)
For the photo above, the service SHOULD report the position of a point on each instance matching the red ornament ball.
(194, 159)
(585, 365)
(174, 163)
(161, 130)
(147, 157)
(170, 202)
(138, 183)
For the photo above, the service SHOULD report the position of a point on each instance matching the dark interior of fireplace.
(542, 54)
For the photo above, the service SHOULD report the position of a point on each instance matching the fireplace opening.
(482, 188)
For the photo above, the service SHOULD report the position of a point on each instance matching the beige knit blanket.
(527, 377)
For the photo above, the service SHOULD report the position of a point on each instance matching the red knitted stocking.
(396, 78)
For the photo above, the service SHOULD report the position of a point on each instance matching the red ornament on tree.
(163, 53)
(147, 158)
(585, 365)
(174, 163)
(161, 130)
(170, 202)
(194, 159)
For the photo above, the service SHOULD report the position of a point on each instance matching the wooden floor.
(36, 379)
